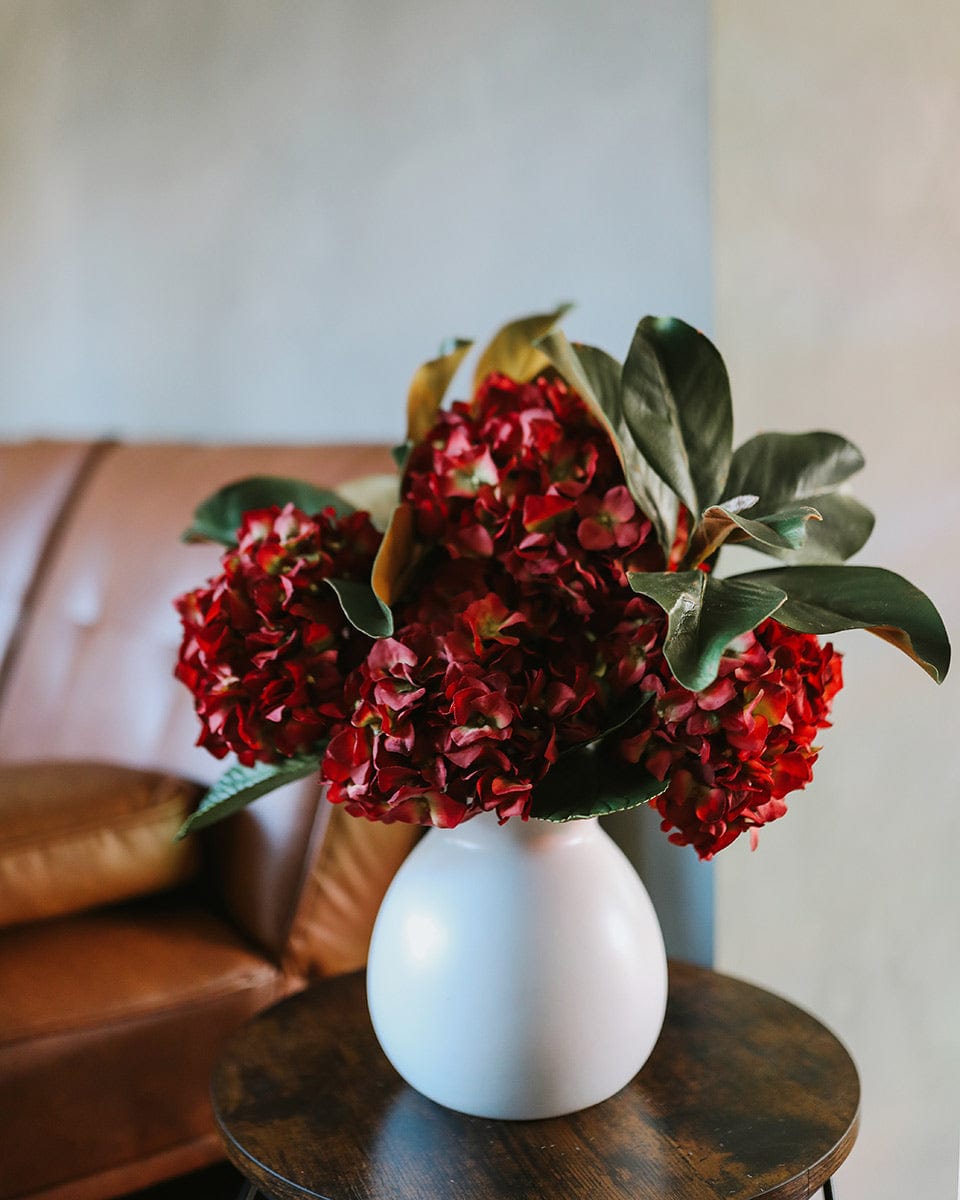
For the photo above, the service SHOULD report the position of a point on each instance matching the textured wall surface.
(256, 219)
(837, 250)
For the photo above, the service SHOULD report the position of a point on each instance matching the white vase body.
(517, 971)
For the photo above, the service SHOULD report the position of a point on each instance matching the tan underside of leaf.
(714, 528)
(395, 556)
(511, 350)
(897, 637)
(428, 388)
(375, 494)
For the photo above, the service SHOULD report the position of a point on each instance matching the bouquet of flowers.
(540, 630)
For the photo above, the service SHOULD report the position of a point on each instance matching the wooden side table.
(744, 1096)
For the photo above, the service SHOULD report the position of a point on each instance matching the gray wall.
(254, 219)
(837, 246)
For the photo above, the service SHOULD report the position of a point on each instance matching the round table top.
(745, 1095)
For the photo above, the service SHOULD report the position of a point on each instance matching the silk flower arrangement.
(540, 630)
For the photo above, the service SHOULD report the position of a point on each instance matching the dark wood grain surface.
(744, 1096)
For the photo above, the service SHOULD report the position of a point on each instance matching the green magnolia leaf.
(782, 468)
(218, 518)
(238, 786)
(363, 608)
(786, 529)
(592, 781)
(676, 403)
(512, 350)
(595, 376)
(705, 615)
(843, 529)
(806, 469)
(781, 531)
(827, 599)
(428, 388)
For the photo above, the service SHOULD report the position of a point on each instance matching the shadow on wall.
(679, 884)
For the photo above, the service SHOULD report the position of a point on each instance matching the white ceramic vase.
(517, 971)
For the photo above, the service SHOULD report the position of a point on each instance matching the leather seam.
(48, 549)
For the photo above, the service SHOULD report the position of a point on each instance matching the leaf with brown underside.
(780, 531)
(827, 599)
(396, 555)
(511, 350)
(428, 388)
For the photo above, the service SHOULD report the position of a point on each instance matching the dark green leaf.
(805, 469)
(619, 714)
(218, 518)
(786, 529)
(844, 528)
(783, 468)
(592, 781)
(238, 786)
(401, 453)
(676, 404)
(595, 376)
(705, 615)
(827, 599)
(363, 608)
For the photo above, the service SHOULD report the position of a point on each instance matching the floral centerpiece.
(541, 630)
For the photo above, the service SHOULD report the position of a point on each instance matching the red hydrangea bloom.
(265, 645)
(523, 474)
(466, 707)
(734, 751)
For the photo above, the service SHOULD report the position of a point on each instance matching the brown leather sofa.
(125, 959)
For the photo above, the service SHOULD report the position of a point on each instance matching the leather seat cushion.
(110, 1023)
(75, 836)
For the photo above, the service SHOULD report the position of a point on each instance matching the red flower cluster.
(733, 751)
(466, 707)
(265, 647)
(524, 475)
(498, 661)
(517, 639)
